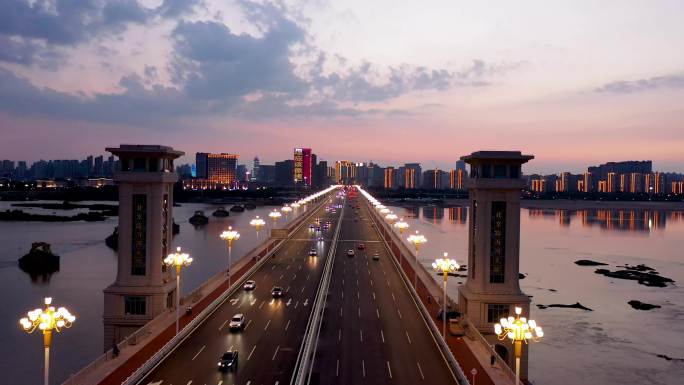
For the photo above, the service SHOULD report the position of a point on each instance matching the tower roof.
(145, 150)
(497, 156)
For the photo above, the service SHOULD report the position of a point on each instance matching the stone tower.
(492, 290)
(143, 288)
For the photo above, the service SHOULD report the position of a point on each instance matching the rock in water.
(649, 278)
(39, 260)
(638, 305)
(112, 241)
(587, 262)
(576, 305)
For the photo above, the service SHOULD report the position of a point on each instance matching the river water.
(613, 344)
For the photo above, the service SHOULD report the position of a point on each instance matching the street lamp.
(178, 260)
(286, 209)
(417, 240)
(445, 266)
(518, 329)
(47, 320)
(384, 211)
(275, 215)
(401, 225)
(230, 236)
(257, 223)
(391, 217)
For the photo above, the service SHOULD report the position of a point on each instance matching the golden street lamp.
(178, 260)
(257, 223)
(275, 215)
(391, 218)
(417, 240)
(47, 320)
(384, 211)
(518, 330)
(230, 236)
(286, 209)
(445, 266)
(401, 225)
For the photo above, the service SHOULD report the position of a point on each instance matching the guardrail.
(307, 350)
(434, 330)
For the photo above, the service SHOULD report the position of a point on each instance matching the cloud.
(632, 86)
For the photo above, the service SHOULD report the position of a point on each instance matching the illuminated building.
(611, 182)
(602, 186)
(303, 166)
(222, 168)
(636, 183)
(456, 179)
(412, 174)
(588, 182)
(345, 171)
(390, 178)
(538, 185)
(659, 183)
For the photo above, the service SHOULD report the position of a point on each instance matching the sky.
(573, 82)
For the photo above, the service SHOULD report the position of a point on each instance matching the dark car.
(228, 361)
(277, 292)
(361, 246)
(376, 256)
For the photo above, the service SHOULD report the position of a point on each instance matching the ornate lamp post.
(275, 215)
(230, 236)
(401, 225)
(47, 320)
(257, 223)
(391, 218)
(518, 330)
(417, 240)
(286, 209)
(445, 266)
(384, 211)
(178, 260)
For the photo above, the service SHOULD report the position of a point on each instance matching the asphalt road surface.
(269, 344)
(372, 331)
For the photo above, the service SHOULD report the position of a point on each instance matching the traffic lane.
(191, 353)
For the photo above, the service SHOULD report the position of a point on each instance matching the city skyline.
(578, 83)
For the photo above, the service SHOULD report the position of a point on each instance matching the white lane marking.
(267, 323)
(357, 282)
(261, 304)
(382, 335)
(407, 337)
(294, 276)
(377, 311)
(361, 333)
(371, 282)
(248, 382)
(156, 383)
(389, 370)
(343, 296)
(287, 289)
(296, 303)
(420, 370)
(300, 267)
(363, 367)
(337, 369)
(287, 325)
(273, 267)
(303, 287)
(339, 334)
(306, 302)
(248, 322)
(373, 296)
(252, 302)
(250, 353)
(357, 295)
(398, 312)
(342, 281)
(189, 382)
(289, 301)
(200, 351)
(307, 276)
(281, 277)
(387, 283)
(276, 352)
(220, 383)
(234, 301)
(288, 267)
(359, 312)
(223, 324)
(393, 299)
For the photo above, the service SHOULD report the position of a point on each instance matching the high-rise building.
(345, 171)
(457, 179)
(412, 174)
(612, 182)
(241, 173)
(432, 179)
(588, 182)
(390, 178)
(201, 164)
(659, 183)
(303, 166)
(255, 168)
(284, 173)
(222, 169)
(636, 182)
(99, 166)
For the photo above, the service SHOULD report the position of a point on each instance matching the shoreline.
(565, 204)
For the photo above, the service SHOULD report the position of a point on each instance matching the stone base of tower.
(476, 306)
(118, 324)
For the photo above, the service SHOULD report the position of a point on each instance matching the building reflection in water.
(434, 214)
(633, 220)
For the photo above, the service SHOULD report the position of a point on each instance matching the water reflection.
(435, 214)
(631, 220)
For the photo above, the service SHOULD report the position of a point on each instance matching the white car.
(249, 285)
(313, 252)
(351, 253)
(237, 322)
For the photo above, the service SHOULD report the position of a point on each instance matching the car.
(361, 246)
(237, 322)
(321, 239)
(277, 292)
(318, 228)
(376, 256)
(350, 253)
(311, 227)
(228, 360)
(249, 285)
(312, 252)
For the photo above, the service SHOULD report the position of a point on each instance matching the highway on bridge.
(372, 331)
(269, 344)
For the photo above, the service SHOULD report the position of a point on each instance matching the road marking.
(420, 370)
(359, 312)
(340, 311)
(389, 370)
(342, 296)
(276, 352)
(373, 296)
(294, 276)
(248, 382)
(387, 283)
(287, 325)
(273, 267)
(342, 281)
(234, 301)
(361, 333)
(223, 324)
(357, 295)
(220, 383)
(262, 303)
(398, 312)
(281, 277)
(393, 299)
(289, 301)
(252, 302)
(248, 322)
(296, 303)
(189, 382)
(288, 267)
(200, 351)
(407, 337)
(306, 302)
(371, 282)
(339, 334)
(267, 323)
(301, 291)
(287, 289)
(363, 367)
(382, 335)
(357, 281)
(377, 311)
(307, 276)
(337, 369)
(250, 353)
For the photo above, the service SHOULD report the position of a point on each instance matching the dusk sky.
(573, 82)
